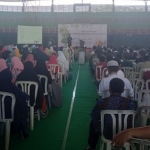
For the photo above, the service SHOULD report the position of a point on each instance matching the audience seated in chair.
(16, 67)
(28, 74)
(126, 62)
(41, 69)
(20, 115)
(113, 68)
(121, 138)
(114, 102)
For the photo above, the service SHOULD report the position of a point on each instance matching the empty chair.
(120, 123)
(3, 117)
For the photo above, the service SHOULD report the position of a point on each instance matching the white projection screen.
(29, 35)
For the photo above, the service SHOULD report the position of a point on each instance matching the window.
(67, 2)
(63, 8)
(129, 2)
(129, 6)
(98, 1)
(83, 8)
(101, 8)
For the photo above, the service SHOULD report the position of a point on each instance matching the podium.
(82, 43)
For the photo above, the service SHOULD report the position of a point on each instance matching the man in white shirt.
(113, 68)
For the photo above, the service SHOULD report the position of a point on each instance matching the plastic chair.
(104, 73)
(137, 84)
(142, 115)
(63, 72)
(95, 61)
(142, 72)
(99, 73)
(140, 96)
(122, 115)
(45, 88)
(144, 144)
(128, 72)
(3, 118)
(54, 68)
(25, 87)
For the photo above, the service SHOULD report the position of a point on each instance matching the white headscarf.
(66, 53)
(61, 58)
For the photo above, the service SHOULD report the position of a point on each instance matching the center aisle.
(83, 105)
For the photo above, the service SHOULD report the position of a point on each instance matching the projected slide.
(29, 35)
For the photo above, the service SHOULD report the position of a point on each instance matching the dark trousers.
(93, 136)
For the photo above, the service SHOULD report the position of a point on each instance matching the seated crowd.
(115, 90)
(26, 65)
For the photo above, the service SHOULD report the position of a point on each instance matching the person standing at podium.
(69, 40)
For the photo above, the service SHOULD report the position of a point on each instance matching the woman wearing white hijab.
(61, 58)
(66, 53)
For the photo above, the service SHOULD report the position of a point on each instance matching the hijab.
(37, 53)
(17, 64)
(61, 56)
(66, 53)
(3, 65)
(30, 58)
(41, 69)
(17, 53)
(53, 59)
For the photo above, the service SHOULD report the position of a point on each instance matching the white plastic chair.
(137, 84)
(141, 142)
(45, 88)
(7, 121)
(25, 87)
(99, 72)
(140, 96)
(95, 61)
(122, 115)
(63, 72)
(103, 73)
(142, 72)
(128, 72)
(54, 68)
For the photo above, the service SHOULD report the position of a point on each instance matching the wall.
(123, 27)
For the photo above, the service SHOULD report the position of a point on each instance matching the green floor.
(48, 133)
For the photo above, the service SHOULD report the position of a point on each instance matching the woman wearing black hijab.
(28, 74)
(41, 69)
(20, 114)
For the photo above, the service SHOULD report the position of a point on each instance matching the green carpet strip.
(84, 103)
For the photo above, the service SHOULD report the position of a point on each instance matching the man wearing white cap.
(113, 68)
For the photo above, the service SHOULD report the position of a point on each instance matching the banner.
(91, 34)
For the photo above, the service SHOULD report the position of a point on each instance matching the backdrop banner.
(92, 34)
